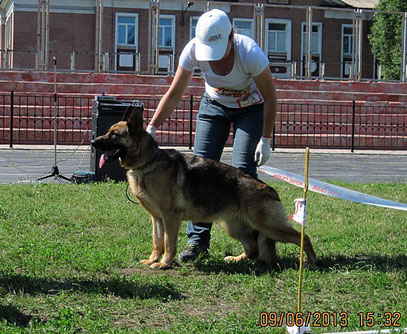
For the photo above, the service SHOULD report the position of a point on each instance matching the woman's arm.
(172, 97)
(265, 84)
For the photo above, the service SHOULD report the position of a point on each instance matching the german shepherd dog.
(174, 187)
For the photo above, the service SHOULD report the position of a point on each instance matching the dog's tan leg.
(267, 250)
(158, 241)
(250, 250)
(288, 234)
(271, 220)
(240, 230)
(171, 228)
(291, 235)
(309, 250)
(238, 258)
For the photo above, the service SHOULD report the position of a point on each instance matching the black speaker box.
(107, 111)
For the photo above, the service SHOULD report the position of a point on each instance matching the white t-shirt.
(236, 89)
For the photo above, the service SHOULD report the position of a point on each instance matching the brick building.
(121, 35)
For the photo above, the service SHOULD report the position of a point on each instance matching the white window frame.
(173, 25)
(343, 38)
(136, 31)
(235, 20)
(288, 31)
(192, 29)
(124, 46)
(192, 26)
(303, 40)
(288, 46)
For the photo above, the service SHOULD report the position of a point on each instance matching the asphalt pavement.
(25, 163)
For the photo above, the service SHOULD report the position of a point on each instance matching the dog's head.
(123, 138)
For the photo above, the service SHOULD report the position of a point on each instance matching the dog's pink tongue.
(102, 161)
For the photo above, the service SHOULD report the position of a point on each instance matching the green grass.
(69, 263)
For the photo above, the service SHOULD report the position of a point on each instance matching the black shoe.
(192, 252)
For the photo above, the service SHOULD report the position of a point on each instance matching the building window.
(126, 47)
(316, 37)
(347, 40)
(277, 37)
(167, 31)
(127, 29)
(194, 22)
(278, 46)
(166, 44)
(244, 27)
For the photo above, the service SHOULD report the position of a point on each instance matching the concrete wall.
(146, 85)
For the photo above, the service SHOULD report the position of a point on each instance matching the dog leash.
(127, 195)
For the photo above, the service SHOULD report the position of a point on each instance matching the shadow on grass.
(248, 267)
(15, 317)
(324, 264)
(364, 262)
(120, 287)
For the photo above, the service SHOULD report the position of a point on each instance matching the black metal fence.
(29, 119)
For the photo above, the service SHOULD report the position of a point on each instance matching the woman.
(239, 91)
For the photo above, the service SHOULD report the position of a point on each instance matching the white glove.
(262, 153)
(151, 129)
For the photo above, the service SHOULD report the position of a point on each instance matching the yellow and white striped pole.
(303, 231)
(300, 217)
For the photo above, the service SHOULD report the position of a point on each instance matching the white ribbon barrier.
(331, 190)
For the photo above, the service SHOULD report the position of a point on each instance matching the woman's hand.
(151, 129)
(263, 152)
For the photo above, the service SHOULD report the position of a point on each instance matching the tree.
(385, 37)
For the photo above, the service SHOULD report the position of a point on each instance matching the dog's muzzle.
(111, 153)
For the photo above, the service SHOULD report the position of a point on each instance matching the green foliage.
(69, 263)
(385, 37)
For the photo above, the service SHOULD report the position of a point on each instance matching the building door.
(316, 49)
(347, 50)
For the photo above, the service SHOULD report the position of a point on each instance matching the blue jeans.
(212, 131)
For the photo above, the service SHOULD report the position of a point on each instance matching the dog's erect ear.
(135, 120)
(127, 113)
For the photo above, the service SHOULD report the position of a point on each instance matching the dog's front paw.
(233, 258)
(236, 258)
(147, 261)
(310, 265)
(160, 265)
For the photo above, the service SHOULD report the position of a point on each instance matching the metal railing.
(356, 125)
(84, 62)
(29, 119)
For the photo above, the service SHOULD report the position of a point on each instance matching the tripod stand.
(55, 169)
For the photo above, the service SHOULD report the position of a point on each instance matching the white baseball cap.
(212, 34)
